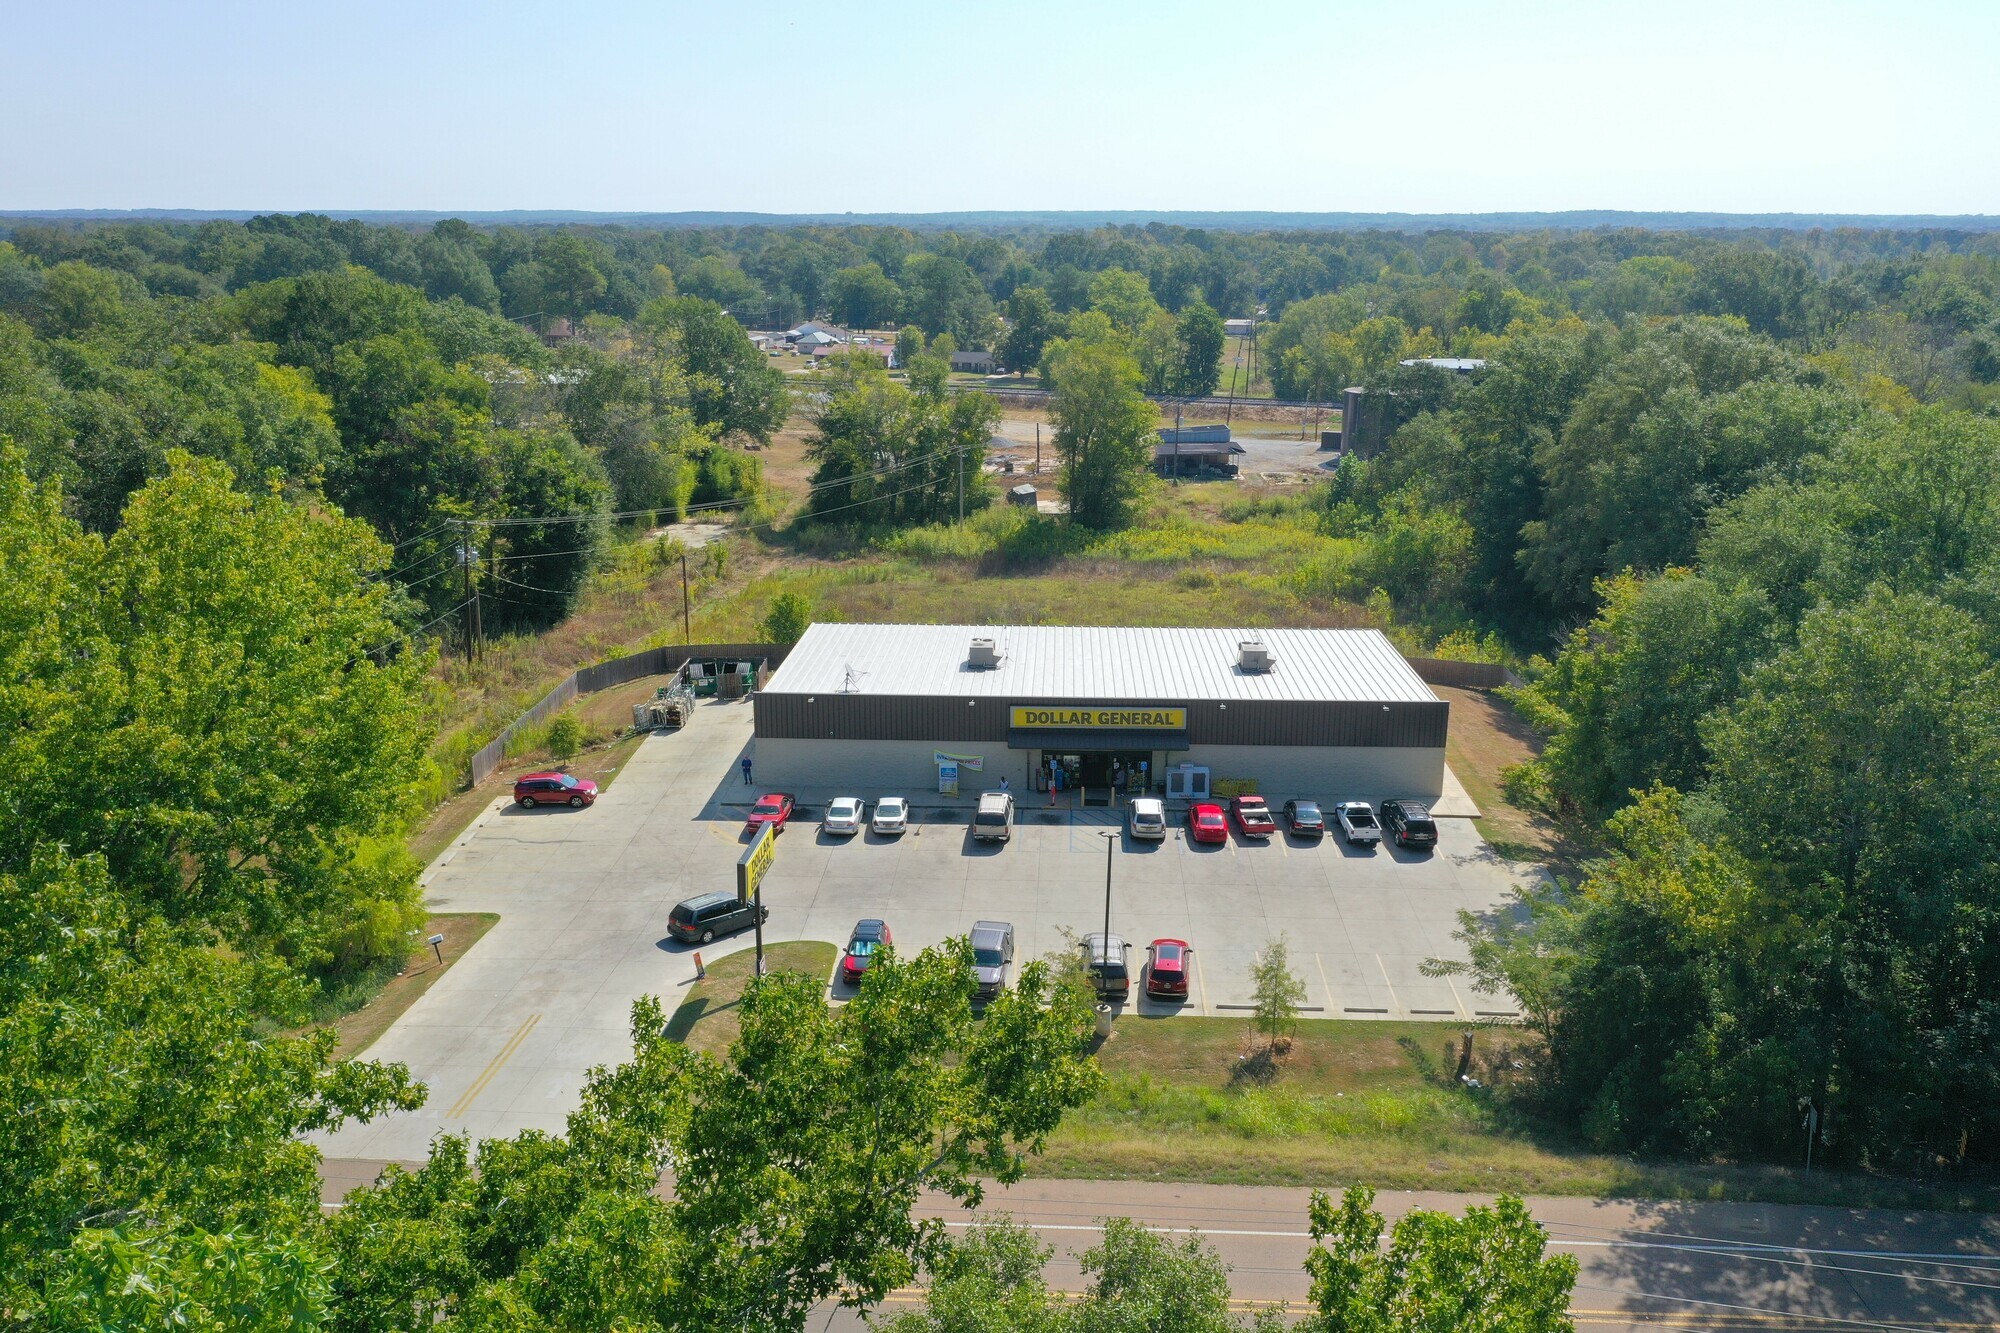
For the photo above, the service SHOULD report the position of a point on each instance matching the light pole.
(1110, 840)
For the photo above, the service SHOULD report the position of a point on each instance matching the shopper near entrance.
(746, 770)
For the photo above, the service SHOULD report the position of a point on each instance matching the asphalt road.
(1642, 1265)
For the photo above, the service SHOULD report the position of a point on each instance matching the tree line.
(481, 456)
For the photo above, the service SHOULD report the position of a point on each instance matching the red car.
(1205, 823)
(1167, 969)
(533, 789)
(869, 936)
(1253, 817)
(773, 808)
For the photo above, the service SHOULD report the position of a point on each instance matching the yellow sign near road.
(755, 862)
(1163, 719)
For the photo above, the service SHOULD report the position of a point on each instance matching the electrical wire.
(400, 638)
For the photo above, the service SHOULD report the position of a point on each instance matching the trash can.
(1103, 1020)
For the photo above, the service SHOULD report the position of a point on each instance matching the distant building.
(558, 330)
(809, 328)
(973, 361)
(1458, 365)
(1023, 495)
(817, 339)
(1239, 328)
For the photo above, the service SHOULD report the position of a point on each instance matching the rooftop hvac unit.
(1252, 655)
(985, 655)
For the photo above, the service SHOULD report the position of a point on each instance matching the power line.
(400, 638)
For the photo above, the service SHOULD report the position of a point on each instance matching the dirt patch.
(1487, 738)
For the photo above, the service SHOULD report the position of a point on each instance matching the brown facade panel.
(864, 717)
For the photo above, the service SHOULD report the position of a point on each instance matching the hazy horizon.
(1824, 109)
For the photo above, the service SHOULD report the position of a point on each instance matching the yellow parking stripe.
(463, 1104)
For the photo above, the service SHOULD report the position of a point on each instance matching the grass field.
(706, 1019)
(1380, 1104)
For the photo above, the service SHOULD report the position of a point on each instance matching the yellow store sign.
(1164, 719)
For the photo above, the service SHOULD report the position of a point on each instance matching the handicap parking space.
(506, 1038)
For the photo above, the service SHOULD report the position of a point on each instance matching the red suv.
(1167, 969)
(533, 789)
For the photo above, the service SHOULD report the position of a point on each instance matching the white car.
(1358, 823)
(843, 815)
(892, 815)
(1149, 818)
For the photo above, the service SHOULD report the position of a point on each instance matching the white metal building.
(1328, 714)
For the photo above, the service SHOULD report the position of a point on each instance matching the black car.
(1409, 823)
(1304, 820)
(699, 920)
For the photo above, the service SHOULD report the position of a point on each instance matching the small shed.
(1024, 495)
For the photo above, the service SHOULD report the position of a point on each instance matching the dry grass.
(1487, 738)
(358, 1030)
(707, 1019)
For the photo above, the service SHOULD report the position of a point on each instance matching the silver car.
(992, 955)
(892, 815)
(843, 815)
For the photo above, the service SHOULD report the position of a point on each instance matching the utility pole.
(1177, 442)
(686, 637)
(1038, 448)
(961, 483)
(466, 604)
(1109, 840)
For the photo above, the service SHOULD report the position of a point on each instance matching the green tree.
(942, 295)
(864, 297)
(1198, 364)
(147, 1093)
(572, 282)
(733, 387)
(1277, 992)
(1124, 297)
(1104, 432)
(909, 345)
(1486, 1270)
(1031, 322)
(791, 613)
(798, 1161)
(244, 748)
(565, 736)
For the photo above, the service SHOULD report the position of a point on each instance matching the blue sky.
(880, 105)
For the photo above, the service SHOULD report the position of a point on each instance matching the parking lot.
(504, 1040)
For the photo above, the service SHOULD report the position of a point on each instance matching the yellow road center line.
(464, 1103)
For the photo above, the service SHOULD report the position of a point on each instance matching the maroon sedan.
(533, 789)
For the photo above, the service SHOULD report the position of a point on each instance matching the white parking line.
(1394, 1003)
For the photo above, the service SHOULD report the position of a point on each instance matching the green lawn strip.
(706, 1019)
(1378, 1104)
(380, 999)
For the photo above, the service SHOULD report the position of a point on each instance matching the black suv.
(699, 920)
(1409, 823)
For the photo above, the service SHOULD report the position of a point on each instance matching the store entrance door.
(1094, 769)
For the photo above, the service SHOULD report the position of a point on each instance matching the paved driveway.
(505, 1039)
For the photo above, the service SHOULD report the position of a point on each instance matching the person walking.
(1003, 784)
(746, 770)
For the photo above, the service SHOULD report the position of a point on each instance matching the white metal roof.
(1076, 662)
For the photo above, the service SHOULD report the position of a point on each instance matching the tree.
(1104, 430)
(571, 279)
(1030, 324)
(889, 455)
(790, 615)
(864, 297)
(231, 738)
(909, 345)
(992, 1281)
(1124, 297)
(798, 1161)
(146, 1093)
(942, 295)
(1277, 993)
(1486, 1270)
(1198, 334)
(733, 386)
(565, 736)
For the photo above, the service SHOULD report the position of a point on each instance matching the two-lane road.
(1642, 1265)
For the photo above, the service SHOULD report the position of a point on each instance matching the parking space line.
(1200, 985)
(1322, 980)
(464, 1103)
(1456, 998)
(1394, 1003)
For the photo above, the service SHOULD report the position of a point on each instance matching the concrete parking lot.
(505, 1039)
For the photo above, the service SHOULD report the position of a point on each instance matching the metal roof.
(1120, 665)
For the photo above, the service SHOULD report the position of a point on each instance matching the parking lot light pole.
(1110, 840)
